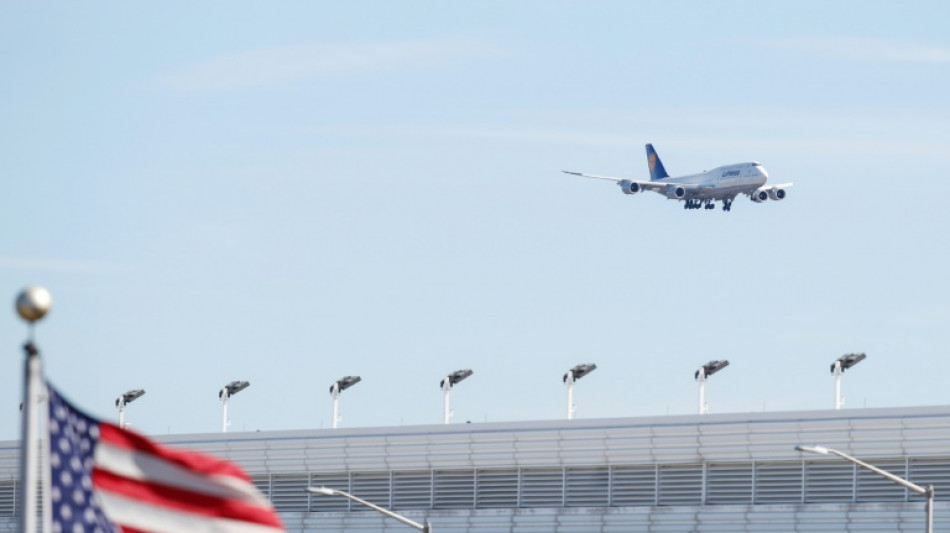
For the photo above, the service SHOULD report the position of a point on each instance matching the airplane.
(702, 190)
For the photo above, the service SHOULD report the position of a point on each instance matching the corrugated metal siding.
(587, 486)
(712, 484)
(496, 488)
(667, 474)
(729, 483)
(633, 486)
(8, 498)
(454, 489)
(778, 482)
(871, 487)
(412, 489)
(371, 486)
(829, 481)
(542, 487)
(680, 485)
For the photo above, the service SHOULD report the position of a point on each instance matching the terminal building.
(670, 474)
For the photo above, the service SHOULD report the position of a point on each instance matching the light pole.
(326, 491)
(446, 384)
(841, 364)
(704, 372)
(570, 377)
(225, 394)
(928, 492)
(127, 398)
(339, 386)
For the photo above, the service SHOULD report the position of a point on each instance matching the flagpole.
(31, 304)
(28, 444)
(46, 468)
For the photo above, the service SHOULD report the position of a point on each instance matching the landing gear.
(697, 204)
(708, 203)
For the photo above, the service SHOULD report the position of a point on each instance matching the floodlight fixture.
(125, 399)
(225, 394)
(711, 368)
(704, 372)
(821, 450)
(570, 377)
(927, 492)
(326, 491)
(455, 377)
(847, 360)
(579, 371)
(344, 383)
(129, 396)
(336, 388)
(233, 388)
(841, 364)
(446, 385)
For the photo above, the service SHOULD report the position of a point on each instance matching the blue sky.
(288, 193)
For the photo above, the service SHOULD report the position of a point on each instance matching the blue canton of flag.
(73, 439)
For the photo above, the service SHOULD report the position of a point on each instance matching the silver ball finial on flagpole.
(33, 303)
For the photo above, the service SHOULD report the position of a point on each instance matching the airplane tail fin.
(656, 166)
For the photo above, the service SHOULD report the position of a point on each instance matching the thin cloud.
(274, 66)
(57, 265)
(857, 49)
(845, 143)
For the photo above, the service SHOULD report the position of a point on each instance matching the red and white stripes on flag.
(105, 479)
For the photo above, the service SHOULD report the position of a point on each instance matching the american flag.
(105, 479)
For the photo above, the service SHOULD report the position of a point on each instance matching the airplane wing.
(779, 186)
(592, 176)
(645, 185)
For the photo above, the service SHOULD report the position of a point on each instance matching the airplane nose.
(763, 172)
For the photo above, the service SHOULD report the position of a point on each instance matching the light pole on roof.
(841, 364)
(336, 388)
(446, 385)
(225, 394)
(570, 377)
(125, 399)
(704, 372)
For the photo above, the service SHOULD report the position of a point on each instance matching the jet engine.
(629, 187)
(759, 196)
(777, 194)
(676, 192)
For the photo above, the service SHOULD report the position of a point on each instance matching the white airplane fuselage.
(721, 182)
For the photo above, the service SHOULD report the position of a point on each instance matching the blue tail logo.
(656, 166)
